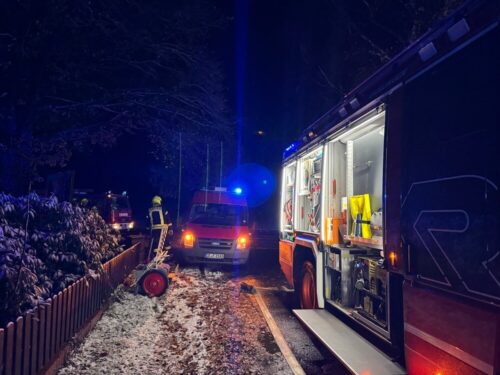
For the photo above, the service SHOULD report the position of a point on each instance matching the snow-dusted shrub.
(62, 242)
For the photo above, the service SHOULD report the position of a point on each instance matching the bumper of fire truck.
(213, 251)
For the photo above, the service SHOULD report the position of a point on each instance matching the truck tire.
(154, 282)
(308, 298)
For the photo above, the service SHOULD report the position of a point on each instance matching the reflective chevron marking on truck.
(496, 258)
(450, 233)
(432, 221)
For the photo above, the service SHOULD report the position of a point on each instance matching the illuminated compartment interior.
(356, 275)
(309, 179)
(287, 203)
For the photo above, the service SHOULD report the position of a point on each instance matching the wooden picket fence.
(31, 343)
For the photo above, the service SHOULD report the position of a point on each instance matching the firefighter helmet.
(156, 200)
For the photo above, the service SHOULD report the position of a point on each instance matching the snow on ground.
(203, 325)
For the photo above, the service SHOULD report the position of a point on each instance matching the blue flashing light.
(238, 191)
(292, 147)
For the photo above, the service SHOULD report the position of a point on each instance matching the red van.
(217, 228)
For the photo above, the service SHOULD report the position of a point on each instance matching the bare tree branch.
(93, 71)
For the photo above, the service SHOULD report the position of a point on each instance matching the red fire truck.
(114, 208)
(390, 207)
(217, 228)
(116, 211)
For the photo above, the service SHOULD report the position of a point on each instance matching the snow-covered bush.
(45, 245)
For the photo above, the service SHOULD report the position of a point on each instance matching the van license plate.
(214, 256)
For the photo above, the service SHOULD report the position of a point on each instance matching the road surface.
(203, 325)
(311, 354)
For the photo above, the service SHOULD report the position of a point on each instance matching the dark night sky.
(276, 98)
(272, 53)
(285, 64)
(284, 41)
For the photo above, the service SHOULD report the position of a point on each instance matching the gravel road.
(203, 325)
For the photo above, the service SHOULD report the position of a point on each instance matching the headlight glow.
(242, 242)
(188, 239)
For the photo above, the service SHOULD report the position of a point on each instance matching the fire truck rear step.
(356, 353)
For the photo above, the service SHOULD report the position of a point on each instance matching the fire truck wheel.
(154, 282)
(307, 295)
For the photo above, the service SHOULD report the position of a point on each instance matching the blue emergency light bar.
(291, 149)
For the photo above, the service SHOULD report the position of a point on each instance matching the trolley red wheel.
(154, 283)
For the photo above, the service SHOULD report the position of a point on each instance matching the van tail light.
(243, 242)
(188, 240)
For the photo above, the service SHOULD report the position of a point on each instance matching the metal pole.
(206, 180)
(221, 162)
(180, 179)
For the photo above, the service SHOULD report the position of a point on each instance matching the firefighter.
(156, 212)
(160, 224)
